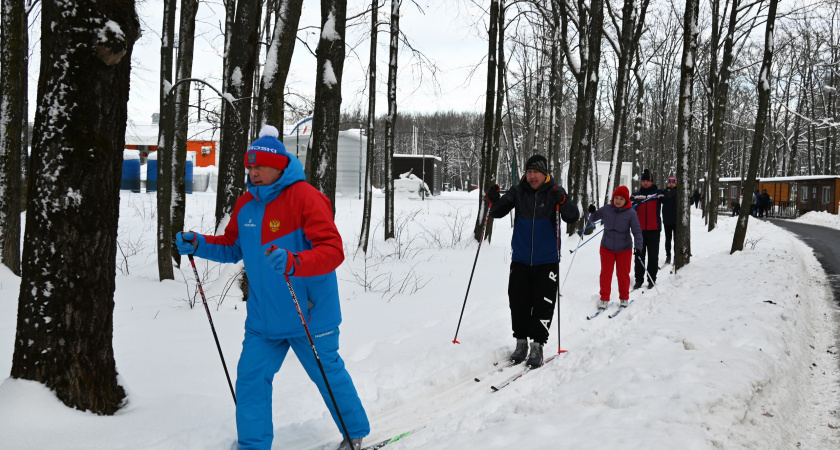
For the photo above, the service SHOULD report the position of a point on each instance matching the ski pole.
(573, 255)
(596, 223)
(483, 229)
(557, 218)
(207, 310)
(648, 274)
(312, 344)
(587, 241)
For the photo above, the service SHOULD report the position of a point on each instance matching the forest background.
(698, 90)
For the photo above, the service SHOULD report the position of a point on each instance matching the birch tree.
(487, 173)
(178, 152)
(682, 235)
(66, 302)
(364, 235)
(166, 134)
(391, 119)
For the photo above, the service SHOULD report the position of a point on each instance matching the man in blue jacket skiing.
(283, 226)
(534, 267)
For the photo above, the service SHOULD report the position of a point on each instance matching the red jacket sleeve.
(327, 251)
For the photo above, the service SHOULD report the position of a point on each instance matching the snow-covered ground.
(734, 351)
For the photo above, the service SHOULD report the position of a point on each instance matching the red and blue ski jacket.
(290, 214)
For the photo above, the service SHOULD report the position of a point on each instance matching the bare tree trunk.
(486, 173)
(277, 62)
(323, 145)
(13, 86)
(391, 119)
(238, 81)
(65, 313)
(166, 134)
(493, 173)
(178, 153)
(721, 100)
(682, 235)
(585, 121)
(364, 235)
(760, 124)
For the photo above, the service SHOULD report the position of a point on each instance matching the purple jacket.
(618, 225)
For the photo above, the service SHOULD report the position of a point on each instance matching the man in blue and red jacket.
(534, 267)
(650, 218)
(283, 226)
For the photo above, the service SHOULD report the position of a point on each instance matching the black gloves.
(559, 195)
(637, 253)
(492, 194)
(592, 209)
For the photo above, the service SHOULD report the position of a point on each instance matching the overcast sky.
(444, 31)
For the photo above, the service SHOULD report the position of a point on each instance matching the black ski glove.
(559, 195)
(637, 253)
(592, 209)
(492, 194)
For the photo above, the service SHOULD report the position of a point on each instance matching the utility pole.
(199, 87)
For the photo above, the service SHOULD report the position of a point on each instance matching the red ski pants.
(622, 262)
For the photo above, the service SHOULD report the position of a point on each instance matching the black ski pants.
(650, 247)
(532, 292)
(669, 235)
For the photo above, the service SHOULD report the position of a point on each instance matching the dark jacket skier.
(534, 269)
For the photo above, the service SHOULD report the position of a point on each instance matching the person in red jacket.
(617, 249)
(650, 218)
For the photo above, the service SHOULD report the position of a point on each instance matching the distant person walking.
(695, 198)
(669, 214)
(648, 209)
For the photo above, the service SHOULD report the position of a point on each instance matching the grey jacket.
(619, 224)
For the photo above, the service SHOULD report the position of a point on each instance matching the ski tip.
(477, 380)
(494, 388)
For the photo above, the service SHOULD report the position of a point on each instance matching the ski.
(620, 309)
(396, 438)
(664, 266)
(597, 313)
(507, 382)
(506, 364)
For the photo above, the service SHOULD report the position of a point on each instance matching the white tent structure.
(350, 162)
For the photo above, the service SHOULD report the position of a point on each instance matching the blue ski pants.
(261, 358)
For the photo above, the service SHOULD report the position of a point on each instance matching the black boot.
(520, 352)
(637, 285)
(535, 358)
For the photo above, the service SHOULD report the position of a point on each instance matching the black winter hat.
(646, 175)
(537, 162)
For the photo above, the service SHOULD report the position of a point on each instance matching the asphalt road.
(826, 244)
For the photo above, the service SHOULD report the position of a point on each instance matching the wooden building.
(789, 196)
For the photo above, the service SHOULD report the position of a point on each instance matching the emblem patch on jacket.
(274, 225)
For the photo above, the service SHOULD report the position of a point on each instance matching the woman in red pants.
(620, 222)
